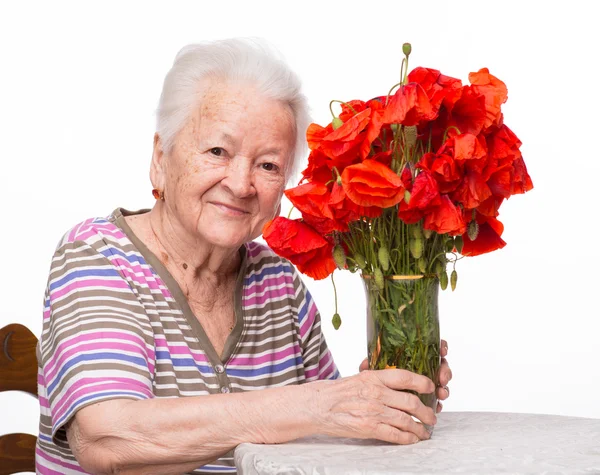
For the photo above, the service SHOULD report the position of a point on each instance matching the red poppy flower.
(345, 210)
(302, 245)
(488, 239)
(472, 191)
(443, 168)
(495, 93)
(312, 199)
(424, 196)
(438, 87)
(371, 183)
(445, 218)
(409, 106)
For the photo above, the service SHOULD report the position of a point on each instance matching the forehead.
(240, 104)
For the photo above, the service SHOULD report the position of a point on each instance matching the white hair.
(252, 60)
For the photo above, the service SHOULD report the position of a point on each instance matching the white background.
(79, 85)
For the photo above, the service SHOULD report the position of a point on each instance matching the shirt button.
(219, 368)
(224, 389)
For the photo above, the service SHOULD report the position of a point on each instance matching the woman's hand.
(444, 375)
(369, 405)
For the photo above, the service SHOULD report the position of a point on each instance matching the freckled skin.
(234, 151)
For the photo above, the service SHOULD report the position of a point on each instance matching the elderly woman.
(169, 335)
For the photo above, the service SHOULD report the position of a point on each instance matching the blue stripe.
(186, 361)
(297, 361)
(96, 396)
(132, 258)
(89, 272)
(93, 357)
(265, 271)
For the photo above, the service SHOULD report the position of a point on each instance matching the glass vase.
(403, 329)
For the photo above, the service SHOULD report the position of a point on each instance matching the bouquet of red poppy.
(406, 183)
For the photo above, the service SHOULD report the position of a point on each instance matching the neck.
(193, 258)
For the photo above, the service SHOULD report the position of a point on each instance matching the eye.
(217, 151)
(270, 167)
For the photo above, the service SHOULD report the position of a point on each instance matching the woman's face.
(225, 175)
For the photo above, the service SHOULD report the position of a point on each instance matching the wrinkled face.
(225, 175)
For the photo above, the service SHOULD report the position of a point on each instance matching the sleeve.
(97, 341)
(318, 361)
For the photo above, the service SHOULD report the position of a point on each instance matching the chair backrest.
(18, 372)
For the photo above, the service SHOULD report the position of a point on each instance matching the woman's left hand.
(444, 375)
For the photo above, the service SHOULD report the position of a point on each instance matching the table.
(462, 442)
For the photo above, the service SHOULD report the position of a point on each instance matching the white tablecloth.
(462, 442)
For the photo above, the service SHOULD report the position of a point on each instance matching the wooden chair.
(18, 372)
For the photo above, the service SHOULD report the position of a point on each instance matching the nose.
(239, 178)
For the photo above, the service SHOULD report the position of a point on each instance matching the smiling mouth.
(230, 209)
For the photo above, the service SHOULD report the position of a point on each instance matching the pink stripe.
(56, 461)
(82, 284)
(82, 339)
(270, 357)
(56, 363)
(267, 281)
(77, 391)
(309, 319)
(311, 374)
(326, 367)
(162, 345)
(254, 249)
(44, 402)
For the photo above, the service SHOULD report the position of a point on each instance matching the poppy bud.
(406, 196)
(453, 279)
(459, 243)
(439, 267)
(360, 261)
(416, 231)
(379, 281)
(336, 123)
(416, 247)
(395, 128)
(444, 280)
(422, 265)
(427, 233)
(450, 245)
(339, 256)
(473, 230)
(406, 49)
(336, 321)
(384, 258)
(410, 136)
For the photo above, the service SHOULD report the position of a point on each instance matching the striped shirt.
(117, 325)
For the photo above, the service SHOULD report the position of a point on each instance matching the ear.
(157, 170)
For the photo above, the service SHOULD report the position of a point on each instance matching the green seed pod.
(384, 258)
(406, 49)
(473, 230)
(410, 136)
(336, 123)
(379, 280)
(336, 321)
(416, 231)
(339, 256)
(406, 196)
(395, 128)
(360, 261)
(459, 243)
(427, 233)
(416, 247)
(444, 280)
(422, 265)
(453, 279)
(449, 245)
(439, 267)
